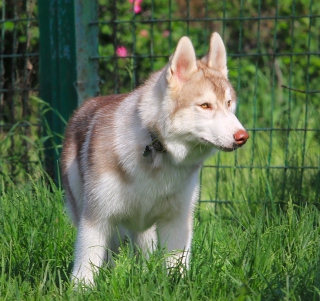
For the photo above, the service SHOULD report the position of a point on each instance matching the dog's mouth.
(239, 139)
(219, 147)
(228, 149)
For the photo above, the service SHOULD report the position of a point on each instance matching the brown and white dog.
(130, 162)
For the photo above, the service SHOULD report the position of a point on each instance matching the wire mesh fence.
(18, 82)
(273, 49)
(273, 60)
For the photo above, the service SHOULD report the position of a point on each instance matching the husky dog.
(130, 162)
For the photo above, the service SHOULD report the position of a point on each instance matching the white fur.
(155, 205)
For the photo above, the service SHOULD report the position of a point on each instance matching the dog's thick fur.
(119, 183)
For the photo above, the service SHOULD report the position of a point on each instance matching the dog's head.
(200, 101)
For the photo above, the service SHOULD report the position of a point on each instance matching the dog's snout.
(241, 137)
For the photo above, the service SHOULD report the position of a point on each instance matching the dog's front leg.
(91, 249)
(146, 241)
(175, 237)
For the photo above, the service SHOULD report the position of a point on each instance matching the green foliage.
(266, 43)
(251, 31)
(25, 141)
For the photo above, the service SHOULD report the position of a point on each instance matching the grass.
(239, 254)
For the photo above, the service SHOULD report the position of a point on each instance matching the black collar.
(154, 145)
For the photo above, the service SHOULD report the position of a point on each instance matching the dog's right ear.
(183, 62)
(216, 58)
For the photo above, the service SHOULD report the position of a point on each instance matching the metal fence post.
(87, 46)
(67, 41)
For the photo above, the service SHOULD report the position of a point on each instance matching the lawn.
(243, 252)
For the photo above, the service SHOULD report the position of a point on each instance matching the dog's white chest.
(147, 198)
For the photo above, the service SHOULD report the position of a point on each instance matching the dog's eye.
(205, 105)
(229, 103)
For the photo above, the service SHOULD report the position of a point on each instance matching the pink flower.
(144, 33)
(136, 6)
(166, 33)
(137, 9)
(121, 51)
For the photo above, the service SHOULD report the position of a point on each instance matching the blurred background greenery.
(271, 45)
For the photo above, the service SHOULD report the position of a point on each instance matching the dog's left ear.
(183, 62)
(216, 58)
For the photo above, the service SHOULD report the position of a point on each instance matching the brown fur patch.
(76, 135)
(104, 146)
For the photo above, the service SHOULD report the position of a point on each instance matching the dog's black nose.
(241, 137)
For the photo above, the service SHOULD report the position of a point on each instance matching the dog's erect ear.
(216, 58)
(183, 62)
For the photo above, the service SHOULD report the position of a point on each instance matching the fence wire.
(273, 60)
(18, 82)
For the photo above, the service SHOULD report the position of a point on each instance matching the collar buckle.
(154, 145)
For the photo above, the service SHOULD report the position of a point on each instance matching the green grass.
(239, 254)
